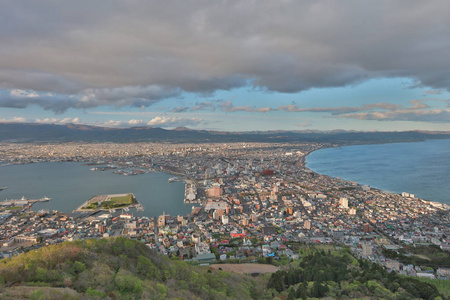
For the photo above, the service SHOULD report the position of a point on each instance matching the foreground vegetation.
(430, 255)
(339, 275)
(120, 269)
(126, 269)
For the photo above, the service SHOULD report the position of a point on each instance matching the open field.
(122, 200)
(246, 268)
(108, 202)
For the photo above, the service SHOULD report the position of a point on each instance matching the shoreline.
(146, 202)
(433, 202)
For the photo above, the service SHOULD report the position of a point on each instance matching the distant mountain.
(29, 133)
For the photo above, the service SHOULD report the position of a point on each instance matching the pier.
(23, 201)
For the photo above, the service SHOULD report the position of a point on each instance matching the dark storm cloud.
(76, 47)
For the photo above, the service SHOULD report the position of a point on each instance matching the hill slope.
(117, 268)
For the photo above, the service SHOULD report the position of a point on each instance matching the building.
(367, 249)
(367, 228)
(214, 191)
(225, 219)
(307, 224)
(162, 220)
(267, 172)
(343, 202)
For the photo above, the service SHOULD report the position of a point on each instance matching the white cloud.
(135, 122)
(174, 122)
(69, 120)
(113, 123)
(24, 94)
(14, 120)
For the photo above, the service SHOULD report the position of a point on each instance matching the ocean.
(70, 184)
(420, 168)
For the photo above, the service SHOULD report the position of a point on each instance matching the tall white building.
(224, 219)
(344, 202)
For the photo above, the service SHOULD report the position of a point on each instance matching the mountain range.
(31, 133)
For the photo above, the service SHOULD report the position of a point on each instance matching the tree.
(291, 294)
(301, 291)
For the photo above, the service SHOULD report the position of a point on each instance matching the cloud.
(433, 92)
(417, 104)
(332, 110)
(70, 120)
(228, 106)
(24, 94)
(14, 120)
(174, 122)
(56, 121)
(140, 52)
(135, 122)
(304, 124)
(124, 96)
(205, 105)
(113, 123)
(387, 106)
(431, 115)
(180, 109)
(75, 120)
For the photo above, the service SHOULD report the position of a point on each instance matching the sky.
(227, 65)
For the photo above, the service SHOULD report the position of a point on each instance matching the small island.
(106, 202)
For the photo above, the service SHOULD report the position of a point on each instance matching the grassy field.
(13, 208)
(124, 200)
(115, 202)
(107, 202)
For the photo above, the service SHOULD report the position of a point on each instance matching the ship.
(172, 179)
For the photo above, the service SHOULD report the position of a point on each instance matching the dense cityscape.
(254, 202)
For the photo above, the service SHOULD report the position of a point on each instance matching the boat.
(172, 179)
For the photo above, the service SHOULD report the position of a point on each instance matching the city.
(253, 202)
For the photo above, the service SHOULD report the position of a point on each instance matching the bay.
(420, 168)
(70, 184)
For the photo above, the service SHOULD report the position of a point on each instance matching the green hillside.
(126, 269)
(117, 269)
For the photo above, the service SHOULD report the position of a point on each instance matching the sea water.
(71, 184)
(420, 168)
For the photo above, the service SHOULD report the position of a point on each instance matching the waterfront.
(421, 168)
(71, 184)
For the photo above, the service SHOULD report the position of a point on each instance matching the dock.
(23, 201)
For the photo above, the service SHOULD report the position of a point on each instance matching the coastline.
(150, 188)
(359, 183)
